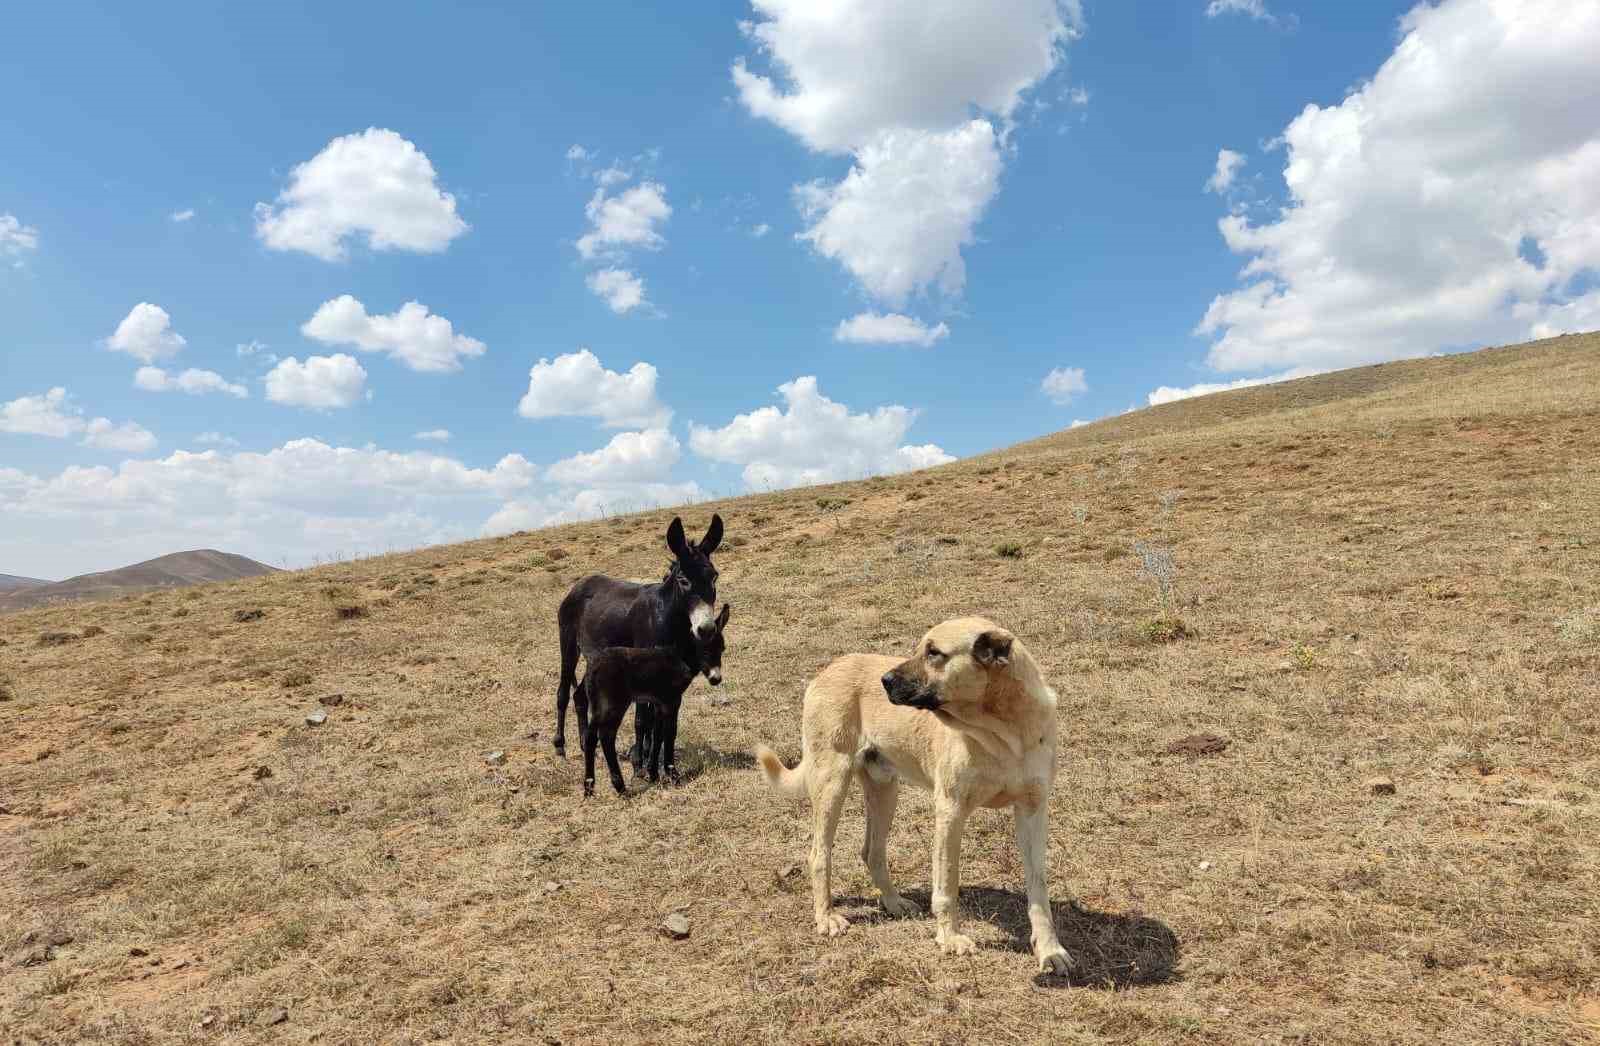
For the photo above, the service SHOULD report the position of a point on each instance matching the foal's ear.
(675, 539)
(722, 618)
(713, 538)
(993, 648)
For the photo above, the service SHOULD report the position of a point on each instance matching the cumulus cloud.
(894, 86)
(183, 215)
(624, 221)
(590, 503)
(146, 334)
(812, 439)
(434, 435)
(128, 438)
(321, 382)
(912, 200)
(760, 230)
(875, 328)
(619, 288)
(1228, 164)
(374, 185)
(630, 457)
(418, 339)
(1256, 9)
(302, 500)
(577, 153)
(1449, 201)
(1169, 394)
(54, 414)
(194, 381)
(577, 385)
(1063, 384)
(15, 238)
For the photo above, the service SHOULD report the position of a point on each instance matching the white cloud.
(55, 415)
(874, 328)
(1256, 9)
(146, 334)
(1547, 320)
(1064, 383)
(612, 175)
(215, 439)
(589, 503)
(1413, 202)
(194, 381)
(303, 500)
(577, 153)
(16, 237)
(421, 341)
(760, 230)
(814, 440)
(183, 215)
(1077, 423)
(1078, 96)
(630, 457)
(895, 84)
(898, 220)
(1228, 164)
(1169, 394)
(374, 184)
(128, 438)
(846, 72)
(619, 288)
(577, 385)
(321, 382)
(434, 435)
(624, 221)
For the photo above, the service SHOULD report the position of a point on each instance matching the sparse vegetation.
(1220, 861)
(1008, 550)
(832, 504)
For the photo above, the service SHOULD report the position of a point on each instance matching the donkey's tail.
(790, 782)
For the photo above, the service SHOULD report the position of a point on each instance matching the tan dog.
(967, 717)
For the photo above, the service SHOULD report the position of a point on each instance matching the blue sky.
(925, 211)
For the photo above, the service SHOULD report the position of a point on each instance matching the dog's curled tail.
(789, 782)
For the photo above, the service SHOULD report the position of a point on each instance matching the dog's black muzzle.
(910, 693)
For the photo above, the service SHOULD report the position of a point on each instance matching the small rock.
(719, 700)
(1205, 866)
(276, 1015)
(37, 956)
(208, 1020)
(317, 718)
(551, 886)
(1379, 785)
(331, 700)
(252, 614)
(788, 872)
(676, 926)
(495, 758)
(138, 953)
(261, 773)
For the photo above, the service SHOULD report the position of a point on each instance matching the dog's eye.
(935, 656)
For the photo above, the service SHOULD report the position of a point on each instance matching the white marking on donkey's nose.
(701, 619)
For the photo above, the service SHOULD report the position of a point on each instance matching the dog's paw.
(832, 925)
(956, 943)
(1055, 962)
(899, 907)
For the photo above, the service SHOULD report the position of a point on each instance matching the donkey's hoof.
(588, 788)
(672, 775)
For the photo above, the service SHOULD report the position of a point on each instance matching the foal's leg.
(608, 741)
(639, 754)
(667, 728)
(580, 699)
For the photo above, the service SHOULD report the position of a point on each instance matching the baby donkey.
(656, 675)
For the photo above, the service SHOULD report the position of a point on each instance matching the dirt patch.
(1196, 745)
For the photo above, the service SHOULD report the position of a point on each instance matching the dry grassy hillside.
(1390, 571)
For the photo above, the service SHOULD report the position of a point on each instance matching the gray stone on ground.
(676, 926)
(316, 718)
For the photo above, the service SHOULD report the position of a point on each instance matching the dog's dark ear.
(722, 618)
(675, 539)
(993, 648)
(713, 538)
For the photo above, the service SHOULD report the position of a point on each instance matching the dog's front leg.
(950, 819)
(1033, 833)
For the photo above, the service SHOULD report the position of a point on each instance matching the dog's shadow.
(1109, 951)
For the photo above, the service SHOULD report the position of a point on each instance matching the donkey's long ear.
(676, 541)
(713, 538)
(722, 618)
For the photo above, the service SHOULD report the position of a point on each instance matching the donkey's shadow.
(1108, 950)
(695, 759)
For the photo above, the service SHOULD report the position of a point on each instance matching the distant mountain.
(172, 571)
(13, 583)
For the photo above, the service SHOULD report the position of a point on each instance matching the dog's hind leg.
(830, 783)
(882, 794)
(949, 820)
(1032, 838)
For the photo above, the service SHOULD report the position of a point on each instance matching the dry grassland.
(1390, 571)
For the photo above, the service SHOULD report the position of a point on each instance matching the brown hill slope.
(1387, 572)
(176, 570)
(13, 583)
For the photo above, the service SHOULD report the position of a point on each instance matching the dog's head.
(953, 667)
